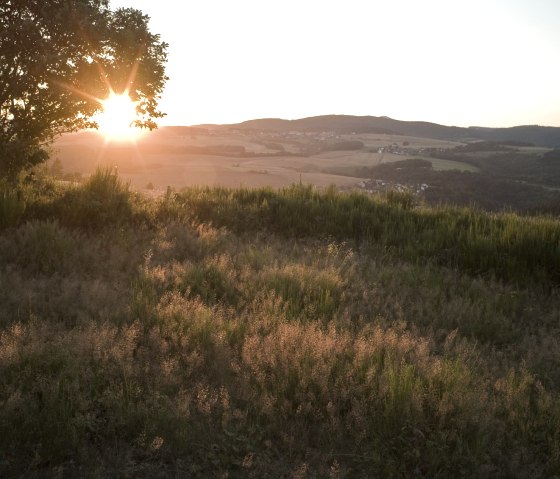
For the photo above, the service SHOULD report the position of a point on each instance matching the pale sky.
(455, 62)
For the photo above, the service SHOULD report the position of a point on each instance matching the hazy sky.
(455, 62)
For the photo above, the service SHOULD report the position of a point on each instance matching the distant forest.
(341, 124)
(507, 179)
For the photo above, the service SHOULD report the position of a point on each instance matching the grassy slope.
(274, 334)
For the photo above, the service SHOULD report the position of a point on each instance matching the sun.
(116, 121)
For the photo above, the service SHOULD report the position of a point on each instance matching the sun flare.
(116, 121)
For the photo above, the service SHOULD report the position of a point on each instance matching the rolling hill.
(538, 135)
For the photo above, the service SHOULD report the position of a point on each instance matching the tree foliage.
(58, 58)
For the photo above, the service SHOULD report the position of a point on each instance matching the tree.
(58, 58)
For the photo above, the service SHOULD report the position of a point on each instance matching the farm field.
(162, 158)
(377, 140)
(491, 175)
(158, 162)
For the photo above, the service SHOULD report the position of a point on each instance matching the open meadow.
(273, 333)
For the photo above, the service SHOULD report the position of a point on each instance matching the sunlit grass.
(300, 331)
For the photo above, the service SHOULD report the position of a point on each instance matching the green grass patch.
(507, 246)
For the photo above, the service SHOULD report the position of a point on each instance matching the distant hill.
(337, 123)
(538, 135)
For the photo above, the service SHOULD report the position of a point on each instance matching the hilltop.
(534, 134)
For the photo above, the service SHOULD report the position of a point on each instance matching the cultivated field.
(169, 157)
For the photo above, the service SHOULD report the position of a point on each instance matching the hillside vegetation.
(274, 333)
(539, 135)
(525, 179)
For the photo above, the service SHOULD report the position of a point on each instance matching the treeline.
(511, 164)
(463, 188)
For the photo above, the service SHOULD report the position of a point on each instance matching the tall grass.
(102, 200)
(272, 344)
(507, 246)
(12, 205)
